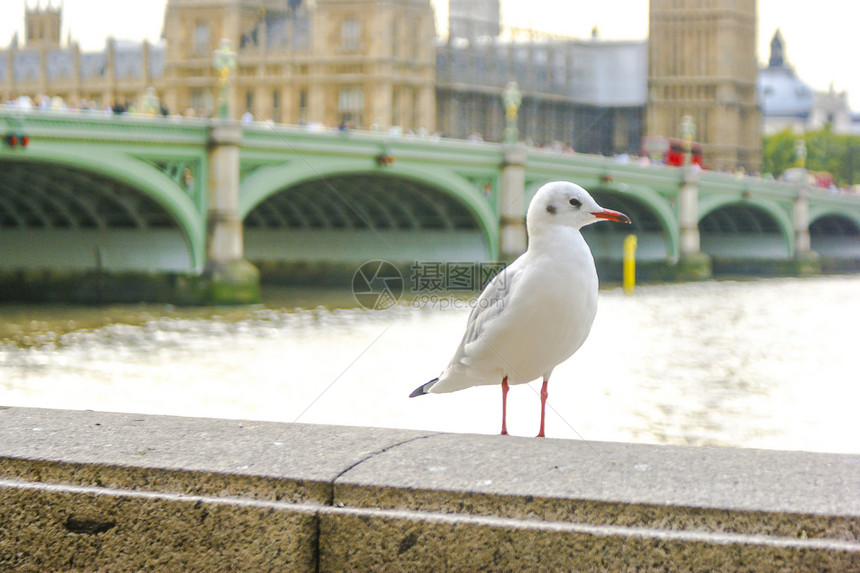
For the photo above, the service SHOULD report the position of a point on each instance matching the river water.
(771, 363)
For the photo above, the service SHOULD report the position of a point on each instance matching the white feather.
(539, 310)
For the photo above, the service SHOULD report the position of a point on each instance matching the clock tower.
(702, 63)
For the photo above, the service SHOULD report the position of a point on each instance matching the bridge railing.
(97, 125)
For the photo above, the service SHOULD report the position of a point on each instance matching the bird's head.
(567, 204)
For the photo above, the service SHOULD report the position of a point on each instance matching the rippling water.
(767, 363)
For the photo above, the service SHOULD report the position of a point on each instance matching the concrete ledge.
(100, 491)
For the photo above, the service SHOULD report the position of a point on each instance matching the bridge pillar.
(229, 278)
(693, 263)
(805, 261)
(512, 211)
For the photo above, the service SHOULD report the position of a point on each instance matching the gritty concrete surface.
(727, 478)
(356, 543)
(91, 491)
(722, 489)
(69, 530)
(186, 455)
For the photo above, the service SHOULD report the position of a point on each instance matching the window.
(395, 106)
(416, 115)
(303, 106)
(201, 39)
(350, 105)
(276, 106)
(350, 35)
(622, 133)
(417, 40)
(198, 101)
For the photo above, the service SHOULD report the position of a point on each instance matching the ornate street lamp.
(688, 132)
(800, 153)
(150, 102)
(224, 60)
(512, 98)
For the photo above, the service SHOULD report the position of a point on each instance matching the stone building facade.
(585, 94)
(366, 63)
(121, 72)
(360, 62)
(380, 63)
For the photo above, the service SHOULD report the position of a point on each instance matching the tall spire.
(777, 50)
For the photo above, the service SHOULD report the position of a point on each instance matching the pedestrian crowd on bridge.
(44, 102)
(150, 105)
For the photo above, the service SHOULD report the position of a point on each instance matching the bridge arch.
(100, 197)
(745, 229)
(835, 234)
(391, 213)
(653, 221)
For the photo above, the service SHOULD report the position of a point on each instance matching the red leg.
(543, 395)
(504, 406)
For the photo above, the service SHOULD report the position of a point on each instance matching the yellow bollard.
(629, 263)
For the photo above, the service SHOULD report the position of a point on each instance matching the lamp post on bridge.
(688, 132)
(512, 98)
(224, 60)
(800, 154)
(511, 194)
(230, 279)
(806, 261)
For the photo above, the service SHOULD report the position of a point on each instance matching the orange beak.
(611, 215)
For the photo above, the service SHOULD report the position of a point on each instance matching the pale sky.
(821, 38)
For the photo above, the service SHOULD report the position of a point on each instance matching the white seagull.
(538, 311)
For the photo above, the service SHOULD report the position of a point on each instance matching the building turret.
(42, 26)
(777, 50)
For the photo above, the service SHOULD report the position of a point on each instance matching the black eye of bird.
(576, 202)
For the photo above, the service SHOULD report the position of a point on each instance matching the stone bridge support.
(693, 263)
(512, 210)
(229, 278)
(806, 261)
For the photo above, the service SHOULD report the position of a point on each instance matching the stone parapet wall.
(98, 491)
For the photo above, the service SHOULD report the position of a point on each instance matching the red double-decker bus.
(669, 151)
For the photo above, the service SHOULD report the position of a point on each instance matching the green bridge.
(106, 197)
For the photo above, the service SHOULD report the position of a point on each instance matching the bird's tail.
(423, 389)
